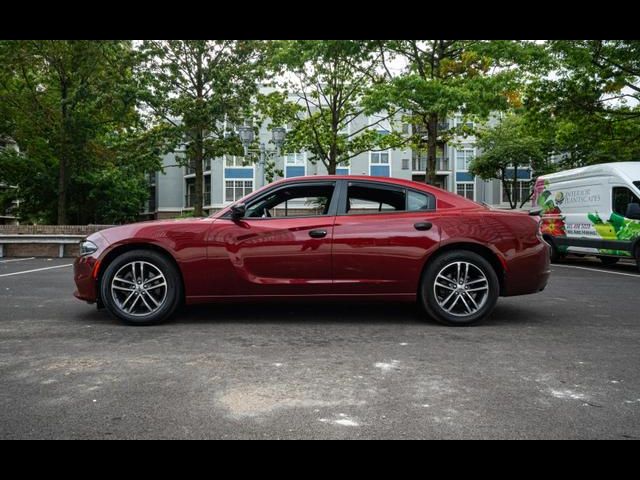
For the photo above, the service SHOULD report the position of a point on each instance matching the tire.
(127, 299)
(607, 261)
(434, 297)
(554, 254)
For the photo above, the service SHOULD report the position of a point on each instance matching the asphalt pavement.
(560, 364)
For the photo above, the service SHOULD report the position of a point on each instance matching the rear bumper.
(528, 272)
(83, 275)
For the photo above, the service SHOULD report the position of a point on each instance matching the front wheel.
(141, 287)
(459, 288)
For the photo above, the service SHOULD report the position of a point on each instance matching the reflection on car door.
(288, 253)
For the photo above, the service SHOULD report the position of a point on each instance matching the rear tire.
(608, 261)
(459, 288)
(141, 287)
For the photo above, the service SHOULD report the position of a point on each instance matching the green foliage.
(509, 146)
(193, 90)
(591, 100)
(66, 103)
(328, 80)
(444, 77)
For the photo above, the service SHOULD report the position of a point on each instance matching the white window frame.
(299, 160)
(466, 184)
(244, 180)
(235, 159)
(464, 150)
(377, 152)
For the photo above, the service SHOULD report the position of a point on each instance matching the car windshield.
(637, 184)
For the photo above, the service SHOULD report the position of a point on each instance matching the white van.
(592, 210)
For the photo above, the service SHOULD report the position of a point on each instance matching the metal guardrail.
(60, 240)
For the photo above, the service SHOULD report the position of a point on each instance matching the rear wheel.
(554, 254)
(459, 288)
(609, 260)
(141, 287)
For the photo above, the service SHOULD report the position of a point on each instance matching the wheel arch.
(118, 250)
(478, 248)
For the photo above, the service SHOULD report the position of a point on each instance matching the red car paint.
(378, 255)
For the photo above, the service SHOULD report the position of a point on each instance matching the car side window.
(364, 199)
(622, 197)
(420, 201)
(294, 201)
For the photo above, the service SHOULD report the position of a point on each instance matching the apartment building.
(228, 178)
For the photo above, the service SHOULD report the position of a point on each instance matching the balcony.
(420, 164)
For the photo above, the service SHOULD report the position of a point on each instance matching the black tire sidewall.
(609, 260)
(174, 287)
(427, 294)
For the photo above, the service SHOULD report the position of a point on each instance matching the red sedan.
(329, 237)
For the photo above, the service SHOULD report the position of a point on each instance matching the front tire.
(459, 288)
(141, 287)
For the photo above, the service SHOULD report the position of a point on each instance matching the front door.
(281, 247)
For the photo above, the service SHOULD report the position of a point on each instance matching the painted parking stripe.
(17, 260)
(597, 270)
(36, 270)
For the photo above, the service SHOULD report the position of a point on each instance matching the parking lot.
(559, 364)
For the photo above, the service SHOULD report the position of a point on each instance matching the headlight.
(87, 247)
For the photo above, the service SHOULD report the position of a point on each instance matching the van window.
(622, 197)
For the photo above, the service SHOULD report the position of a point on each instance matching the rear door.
(381, 237)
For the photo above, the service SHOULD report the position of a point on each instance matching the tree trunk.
(432, 144)
(199, 170)
(331, 167)
(516, 190)
(64, 152)
(505, 187)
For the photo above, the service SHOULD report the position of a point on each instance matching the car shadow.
(335, 312)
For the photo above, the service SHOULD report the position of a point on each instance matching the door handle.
(318, 233)
(422, 225)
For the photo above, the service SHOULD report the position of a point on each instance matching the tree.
(64, 103)
(194, 89)
(328, 80)
(508, 146)
(444, 77)
(592, 100)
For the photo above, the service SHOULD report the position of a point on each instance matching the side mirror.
(238, 211)
(633, 211)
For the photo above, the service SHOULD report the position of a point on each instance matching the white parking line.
(36, 270)
(596, 270)
(16, 260)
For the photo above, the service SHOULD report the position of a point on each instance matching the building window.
(235, 161)
(380, 158)
(206, 192)
(405, 164)
(466, 190)
(298, 159)
(190, 192)
(464, 157)
(520, 193)
(236, 189)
